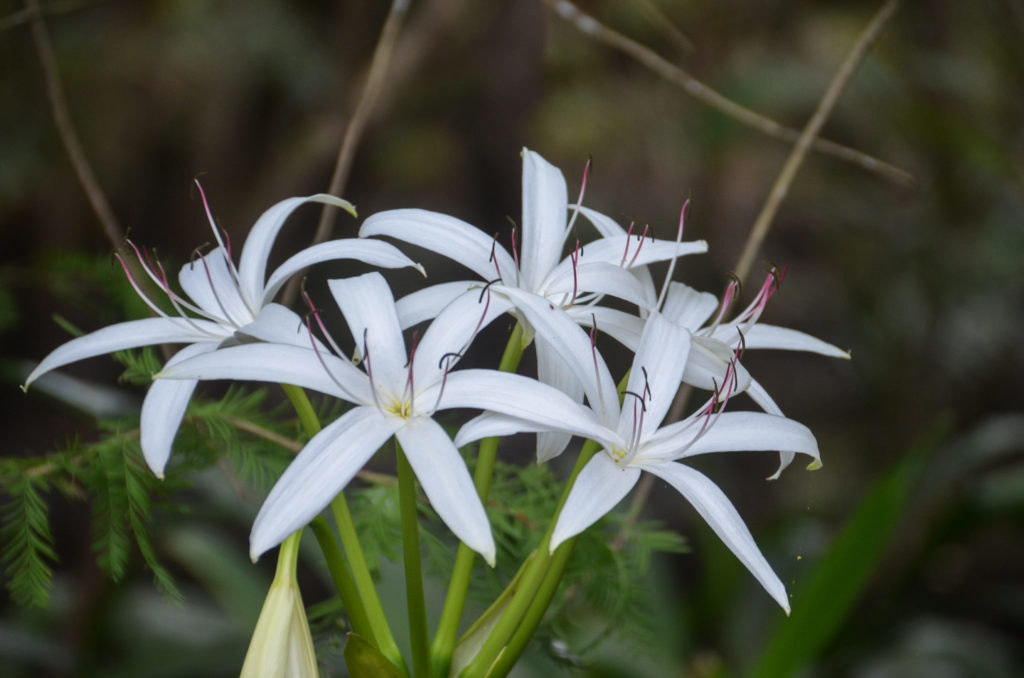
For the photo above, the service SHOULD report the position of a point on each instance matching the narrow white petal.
(316, 475)
(374, 252)
(447, 484)
(708, 364)
(252, 269)
(553, 371)
(210, 282)
(573, 345)
(598, 488)
(427, 303)
(445, 235)
(523, 398)
(131, 334)
(688, 307)
(493, 424)
(545, 212)
(281, 364)
(277, 324)
(733, 432)
(625, 328)
(369, 310)
(601, 278)
(163, 409)
(452, 332)
(771, 336)
(718, 512)
(656, 374)
(634, 252)
(604, 224)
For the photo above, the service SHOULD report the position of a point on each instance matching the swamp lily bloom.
(281, 645)
(397, 395)
(614, 264)
(225, 304)
(633, 440)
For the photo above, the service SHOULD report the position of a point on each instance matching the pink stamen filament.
(226, 242)
(579, 200)
(494, 258)
(625, 252)
(323, 328)
(369, 370)
(410, 386)
(323, 362)
(447, 359)
(672, 264)
(574, 256)
(163, 284)
(213, 289)
(640, 243)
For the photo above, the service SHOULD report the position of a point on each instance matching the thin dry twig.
(590, 26)
(356, 126)
(796, 157)
(66, 130)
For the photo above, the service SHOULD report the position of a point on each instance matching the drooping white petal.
(131, 334)
(277, 324)
(452, 331)
(321, 470)
(553, 371)
(656, 374)
(281, 364)
(494, 424)
(252, 269)
(688, 307)
(427, 303)
(545, 206)
(598, 488)
(771, 336)
(574, 347)
(448, 236)
(735, 432)
(447, 483)
(210, 282)
(619, 325)
(605, 225)
(709, 361)
(163, 408)
(631, 251)
(520, 397)
(369, 310)
(718, 512)
(375, 252)
(597, 277)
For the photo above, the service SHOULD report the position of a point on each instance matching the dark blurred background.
(923, 283)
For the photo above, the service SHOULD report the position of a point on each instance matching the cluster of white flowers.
(678, 336)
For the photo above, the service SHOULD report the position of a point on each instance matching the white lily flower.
(395, 395)
(225, 304)
(281, 645)
(615, 265)
(633, 442)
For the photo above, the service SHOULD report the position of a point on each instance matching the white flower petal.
(277, 324)
(770, 336)
(605, 225)
(688, 307)
(520, 397)
(445, 235)
(633, 252)
(656, 374)
(427, 303)
(316, 475)
(163, 408)
(369, 310)
(447, 483)
(598, 488)
(625, 328)
(210, 282)
(374, 252)
(131, 334)
(718, 512)
(600, 278)
(545, 212)
(252, 269)
(574, 346)
(553, 371)
(708, 363)
(494, 424)
(281, 364)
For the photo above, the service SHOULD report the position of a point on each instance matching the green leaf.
(365, 661)
(821, 605)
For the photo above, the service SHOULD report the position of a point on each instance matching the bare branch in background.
(68, 136)
(590, 26)
(796, 157)
(356, 125)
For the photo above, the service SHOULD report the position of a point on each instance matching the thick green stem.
(342, 578)
(381, 632)
(528, 586)
(415, 601)
(455, 600)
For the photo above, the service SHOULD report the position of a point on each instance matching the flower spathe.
(633, 440)
(397, 395)
(224, 304)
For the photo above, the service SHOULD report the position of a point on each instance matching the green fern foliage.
(28, 543)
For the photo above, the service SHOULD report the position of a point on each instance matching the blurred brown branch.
(590, 26)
